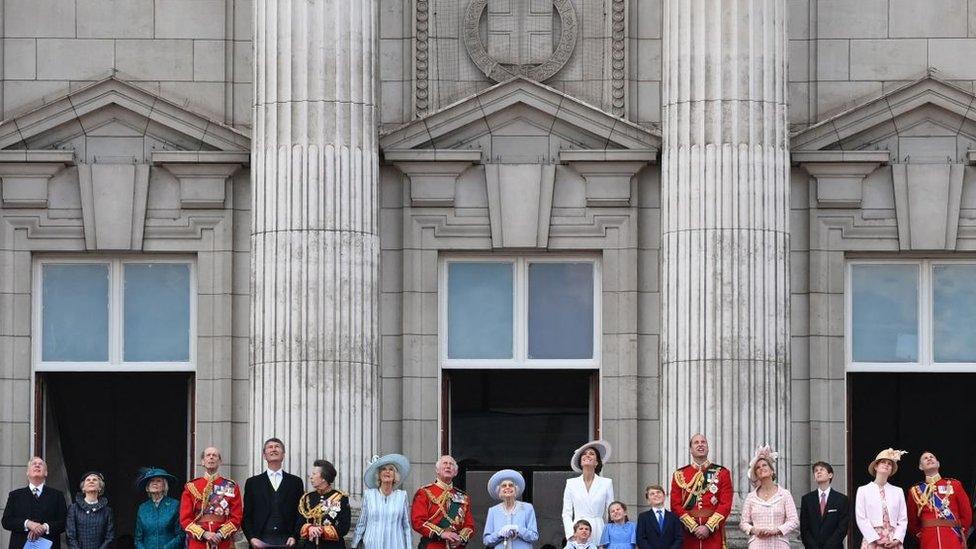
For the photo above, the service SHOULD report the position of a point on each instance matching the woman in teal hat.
(384, 522)
(511, 524)
(157, 520)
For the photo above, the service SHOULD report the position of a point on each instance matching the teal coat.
(158, 526)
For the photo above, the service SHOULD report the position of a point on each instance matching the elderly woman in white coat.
(589, 495)
(879, 507)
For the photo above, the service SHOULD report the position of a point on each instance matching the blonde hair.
(396, 474)
(165, 484)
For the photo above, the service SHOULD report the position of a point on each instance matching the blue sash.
(940, 507)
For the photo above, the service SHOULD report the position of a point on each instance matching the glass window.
(157, 312)
(884, 307)
(560, 310)
(479, 313)
(75, 312)
(954, 313)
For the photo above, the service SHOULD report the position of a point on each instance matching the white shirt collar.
(37, 487)
(825, 493)
(657, 509)
(271, 473)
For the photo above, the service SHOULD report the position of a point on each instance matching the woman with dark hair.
(324, 513)
(158, 518)
(90, 524)
(589, 495)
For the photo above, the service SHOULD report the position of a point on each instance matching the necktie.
(275, 480)
(660, 520)
(823, 502)
(37, 493)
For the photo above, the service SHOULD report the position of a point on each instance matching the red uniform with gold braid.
(939, 513)
(702, 496)
(211, 505)
(439, 507)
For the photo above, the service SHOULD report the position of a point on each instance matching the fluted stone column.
(725, 243)
(314, 239)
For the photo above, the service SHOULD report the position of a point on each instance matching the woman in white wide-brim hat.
(588, 495)
(510, 524)
(879, 507)
(384, 521)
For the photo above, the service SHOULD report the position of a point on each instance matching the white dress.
(578, 503)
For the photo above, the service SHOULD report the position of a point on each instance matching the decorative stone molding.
(471, 36)
(520, 204)
(422, 92)
(618, 57)
(433, 173)
(839, 174)
(202, 174)
(25, 175)
(607, 173)
(113, 204)
(924, 193)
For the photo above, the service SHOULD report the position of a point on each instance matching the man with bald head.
(36, 510)
(211, 509)
(701, 497)
(939, 513)
(441, 513)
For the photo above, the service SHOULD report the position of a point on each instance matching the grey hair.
(101, 483)
(498, 490)
(165, 485)
(396, 474)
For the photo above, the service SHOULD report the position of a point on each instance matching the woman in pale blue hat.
(384, 521)
(511, 524)
(158, 518)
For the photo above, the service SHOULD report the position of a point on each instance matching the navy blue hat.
(149, 473)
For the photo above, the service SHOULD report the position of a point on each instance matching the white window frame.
(116, 336)
(520, 308)
(925, 320)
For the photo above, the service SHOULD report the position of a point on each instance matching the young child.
(581, 536)
(619, 532)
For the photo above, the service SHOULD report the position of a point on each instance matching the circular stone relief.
(471, 34)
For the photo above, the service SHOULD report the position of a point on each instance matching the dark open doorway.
(115, 424)
(915, 412)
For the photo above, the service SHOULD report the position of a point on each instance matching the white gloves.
(508, 531)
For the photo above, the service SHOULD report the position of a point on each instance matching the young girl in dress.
(581, 536)
(619, 533)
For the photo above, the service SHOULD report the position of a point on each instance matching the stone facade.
(128, 129)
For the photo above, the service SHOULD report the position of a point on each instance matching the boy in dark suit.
(825, 513)
(271, 501)
(658, 528)
(35, 511)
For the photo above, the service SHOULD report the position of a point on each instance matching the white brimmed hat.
(397, 460)
(892, 455)
(502, 476)
(601, 446)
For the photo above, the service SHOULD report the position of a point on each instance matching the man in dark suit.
(658, 528)
(271, 501)
(35, 511)
(825, 513)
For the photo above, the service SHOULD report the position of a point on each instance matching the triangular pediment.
(929, 108)
(115, 108)
(520, 108)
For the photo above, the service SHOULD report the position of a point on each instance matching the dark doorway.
(915, 412)
(115, 424)
(527, 420)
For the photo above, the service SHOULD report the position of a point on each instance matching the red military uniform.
(438, 508)
(939, 513)
(702, 496)
(210, 505)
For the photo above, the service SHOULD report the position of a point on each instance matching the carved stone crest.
(520, 37)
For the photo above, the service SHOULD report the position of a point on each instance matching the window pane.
(479, 310)
(74, 313)
(157, 312)
(884, 322)
(954, 313)
(561, 310)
